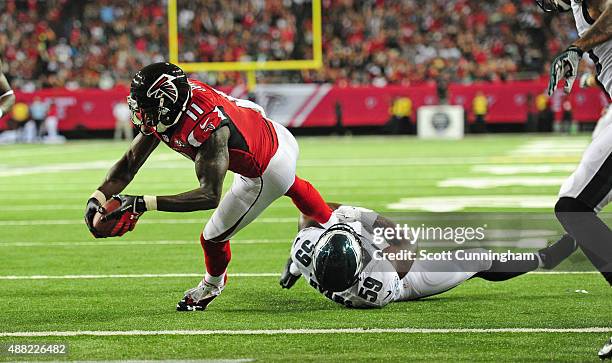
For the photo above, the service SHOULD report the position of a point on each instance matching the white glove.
(346, 214)
(565, 66)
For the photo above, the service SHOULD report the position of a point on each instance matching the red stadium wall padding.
(315, 105)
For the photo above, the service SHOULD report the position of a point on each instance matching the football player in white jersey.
(7, 96)
(346, 262)
(589, 188)
(588, 80)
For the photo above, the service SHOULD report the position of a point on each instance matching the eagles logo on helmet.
(338, 258)
(550, 6)
(158, 97)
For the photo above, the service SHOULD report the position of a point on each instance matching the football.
(105, 227)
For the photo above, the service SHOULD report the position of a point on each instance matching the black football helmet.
(158, 97)
(555, 6)
(338, 258)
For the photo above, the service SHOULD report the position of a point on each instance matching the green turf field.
(131, 285)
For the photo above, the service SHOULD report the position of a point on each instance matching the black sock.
(554, 254)
(501, 271)
(591, 233)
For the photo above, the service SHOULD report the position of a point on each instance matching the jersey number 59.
(370, 289)
(302, 254)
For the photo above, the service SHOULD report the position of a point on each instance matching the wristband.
(576, 49)
(150, 202)
(1, 113)
(99, 196)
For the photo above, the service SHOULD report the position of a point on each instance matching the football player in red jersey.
(219, 133)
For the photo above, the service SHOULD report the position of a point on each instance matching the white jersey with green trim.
(601, 54)
(378, 282)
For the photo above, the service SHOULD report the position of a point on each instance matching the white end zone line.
(239, 274)
(105, 333)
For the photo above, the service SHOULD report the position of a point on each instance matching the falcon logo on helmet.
(164, 86)
(159, 94)
(338, 258)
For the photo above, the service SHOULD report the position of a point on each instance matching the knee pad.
(567, 204)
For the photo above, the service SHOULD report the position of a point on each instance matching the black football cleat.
(187, 304)
(606, 351)
(554, 254)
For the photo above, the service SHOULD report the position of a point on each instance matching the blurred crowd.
(78, 43)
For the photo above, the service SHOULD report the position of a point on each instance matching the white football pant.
(427, 277)
(248, 197)
(591, 182)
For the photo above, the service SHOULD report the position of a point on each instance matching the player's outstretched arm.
(124, 170)
(119, 176)
(601, 30)
(7, 97)
(211, 163)
(565, 65)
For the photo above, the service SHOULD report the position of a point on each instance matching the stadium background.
(80, 55)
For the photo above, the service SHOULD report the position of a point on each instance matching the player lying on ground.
(589, 188)
(343, 262)
(219, 133)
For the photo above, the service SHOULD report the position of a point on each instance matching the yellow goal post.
(252, 66)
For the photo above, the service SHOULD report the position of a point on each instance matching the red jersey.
(252, 141)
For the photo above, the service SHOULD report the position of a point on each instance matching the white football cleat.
(198, 298)
(606, 351)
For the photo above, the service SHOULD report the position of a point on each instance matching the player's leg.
(215, 241)
(305, 197)
(582, 195)
(547, 258)
(427, 278)
(243, 203)
(604, 121)
(309, 201)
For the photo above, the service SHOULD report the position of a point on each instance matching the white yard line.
(513, 169)
(175, 275)
(128, 276)
(452, 203)
(105, 243)
(518, 243)
(52, 222)
(305, 331)
(494, 182)
(319, 163)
